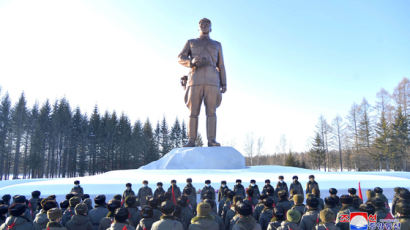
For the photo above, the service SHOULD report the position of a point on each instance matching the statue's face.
(205, 27)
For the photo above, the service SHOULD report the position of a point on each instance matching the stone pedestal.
(200, 158)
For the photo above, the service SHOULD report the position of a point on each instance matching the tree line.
(54, 140)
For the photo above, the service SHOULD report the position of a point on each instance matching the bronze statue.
(206, 81)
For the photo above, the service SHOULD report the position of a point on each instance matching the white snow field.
(113, 182)
(200, 158)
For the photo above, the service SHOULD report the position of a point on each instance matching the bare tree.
(337, 134)
(249, 142)
(259, 146)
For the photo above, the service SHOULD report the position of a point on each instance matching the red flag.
(360, 192)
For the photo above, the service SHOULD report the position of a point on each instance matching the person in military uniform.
(221, 191)
(370, 194)
(147, 218)
(228, 204)
(167, 220)
(260, 206)
(291, 222)
(255, 190)
(98, 212)
(71, 209)
(80, 220)
(281, 186)
(238, 189)
(128, 191)
(120, 220)
(106, 221)
(296, 186)
(208, 189)
(134, 216)
(231, 213)
(327, 220)
(267, 213)
(143, 192)
(333, 194)
(33, 203)
(3, 213)
(54, 215)
(330, 203)
(77, 189)
(206, 81)
(17, 220)
(214, 215)
(347, 208)
(311, 184)
(268, 188)
(186, 213)
(311, 217)
(245, 220)
(203, 220)
(298, 203)
(41, 218)
(283, 204)
(190, 192)
(403, 213)
(159, 191)
(174, 192)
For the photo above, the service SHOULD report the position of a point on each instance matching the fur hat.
(352, 191)
(113, 204)
(19, 199)
(281, 177)
(282, 194)
(223, 182)
(173, 181)
(369, 208)
(189, 180)
(117, 197)
(167, 207)
(330, 201)
(3, 209)
(244, 208)
(64, 204)
(17, 209)
(207, 181)
(36, 194)
(378, 190)
(76, 182)
(85, 196)
(238, 181)
(54, 214)
(333, 191)
(312, 202)
(121, 215)
(81, 209)
(128, 185)
(327, 216)
(147, 212)
(203, 209)
(295, 177)
(267, 181)
(312, 176)
(159, 184)
(268, 202)
(99, 199)
(403, 208)
(298, 199)
(183, 201)
(378, 203)
(74, 201)
(370, 194)
(130, 201)
(145, 182)
(68, 196)
(316, 192)
(48, 204)
(6, 198)
(404, 194)
(293, 216)
(253, 181)
(346, 199)
(89, 203)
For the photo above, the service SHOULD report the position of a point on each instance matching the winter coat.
(228, 217)
(265, 189)
(221, 204)
(404, 222)
(143, 192)
(20, 223)
(281, 186)
(54, 226)
(41, 219)
(321, 203)
(79, 222)
(68, 213)
(265, 217)
(134, 216)
(394, 202)
(301, 208)
(175, 194)
(120, 226)
(233, 221)
(105, 223)
(309, 220)
(288, 225)
(33, 207)
(283, 206)
(334, 209)
(296, 187)
(203, 223)
(145, 224)
(159, 192)
(221, 193)
(239, 190)
(258, 210)
(226, 207)
(192, 196)
(186, 216)
(157, 214)
(274, 225)
(127, 193)
(78, 190)
(311, 185)
(207, 189)
(167, 223)
(246, 223)
(327, 226)
(256, 194)
(343, 225)
(219, 221)
(96, 215)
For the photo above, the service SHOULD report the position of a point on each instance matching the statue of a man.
(206, 81)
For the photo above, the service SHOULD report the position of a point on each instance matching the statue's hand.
(223, 89)
(196, 61)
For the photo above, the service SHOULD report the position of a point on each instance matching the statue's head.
(205, 26)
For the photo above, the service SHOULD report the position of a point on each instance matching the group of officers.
(273, 208)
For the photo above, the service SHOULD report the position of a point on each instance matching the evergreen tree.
(150, 150)
(124, 144)
(165, 139)
(176, 135)
(138, 144)
(94, 131)
(5, 128)
(400, 139)
(198, 141)
(184, 136)
(317, 152)
(382, 142)
(19, 116)
(291, 160)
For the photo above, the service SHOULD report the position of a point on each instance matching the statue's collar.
(204, 36)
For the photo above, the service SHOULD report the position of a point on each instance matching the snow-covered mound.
(200, 158)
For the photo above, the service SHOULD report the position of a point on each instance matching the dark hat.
(378, 190)
(203, 209)
(311, 176)
(6, 198)
(281, 177)
(113, 204)
(230, 194)
(81, 209)
(85, 196)
(404, 194)
(117, 197)
(346, 199)
(378, 203)
(145, 182)
(298, 199)
(207, 181)
(121, 215)
(167, 207)
(368, 207)
(147, 212)
(64, 204)
(267, 181)
(223, 182)
(333, 191)
(159, 184)
(74, 201)
(131, 201)
(327, 215)
(189, 180)
(3, 209)
(403, 208)
(295, 177)
(17, 209)
(100, 199)
(54, 214)
(282, 193)
(19, 199)
(128, 185)
(397, 189)
(238, 181)
(48, 204)
(68, 196)
(330, 201)
(35, 194)
(253, 181)
(51, 197)
(312, 202)
(244, 208)
(173, 181)
(352, 191)
(293, 216)
(76, 182)
(268, 202)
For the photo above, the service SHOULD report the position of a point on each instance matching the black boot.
(190, 143)
(213, 143)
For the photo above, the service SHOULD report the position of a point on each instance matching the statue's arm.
(221, 68)
(184, 58)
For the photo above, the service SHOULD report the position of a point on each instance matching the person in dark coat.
(71, 209)
(167, 221)
(245, 220)
(281, 186)
(134, 215)
(41, 218)
(55, 215)
(291, 222)
(143, 193)
(159, 191)
(403, 213)
(6, 199)
(204, 220)
(174, 191)
(222, 191)
(190, 192)
(208, 188)
(106, 221)
(395, 199)
(259, 206)
(77, 189)
(267, 213)
(238, 189)
(80, 220)
(283, 204)
(153, 203)
(379, 194)
(311, 218)
(330, 203)
(128, 191)
(311, 184)
(333, 194)
(214, 215)
(186, 212)
(147, 218)
(316, 193)
(296, 186)
(327, 220)
(33, 203)
(231, 213)
(17, 219)
(120, 220)
(99, 211)
(256, 193)
(267, 187)
(346, 209)
(381, 211)
(19, 199)
(3, 213)
(298, 204)
(228, 204)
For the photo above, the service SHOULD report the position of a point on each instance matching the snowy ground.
(113, 182)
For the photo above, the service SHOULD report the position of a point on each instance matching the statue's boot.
(192, 132)
(211, 131)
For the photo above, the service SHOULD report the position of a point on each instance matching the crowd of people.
(271, 208)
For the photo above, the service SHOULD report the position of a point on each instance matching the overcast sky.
(287, 62)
